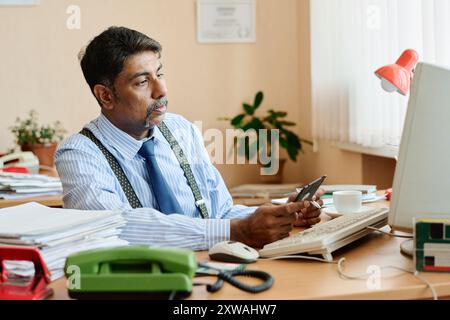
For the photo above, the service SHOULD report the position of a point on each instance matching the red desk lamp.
(398, 76)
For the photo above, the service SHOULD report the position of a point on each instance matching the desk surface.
(300, 279)
(57, 201)
(49, 201)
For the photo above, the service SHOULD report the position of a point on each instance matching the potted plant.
(42, 140)
(287, 139)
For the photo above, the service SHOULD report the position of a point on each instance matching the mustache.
(158, 103)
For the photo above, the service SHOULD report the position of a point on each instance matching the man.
(140, 174)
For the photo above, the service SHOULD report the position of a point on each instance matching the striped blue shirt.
(90, 184)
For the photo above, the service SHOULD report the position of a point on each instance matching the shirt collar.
(126, 145)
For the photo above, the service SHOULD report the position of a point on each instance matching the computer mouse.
(234, 252)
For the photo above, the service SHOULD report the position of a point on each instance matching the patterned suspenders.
(125, 183)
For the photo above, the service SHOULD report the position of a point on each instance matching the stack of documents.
(365, 189)
(369, 193)
(263, 190)
(57, 233)
(20, 185)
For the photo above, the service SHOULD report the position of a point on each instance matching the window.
(350, 39)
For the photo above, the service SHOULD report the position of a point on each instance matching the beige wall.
(40, 70)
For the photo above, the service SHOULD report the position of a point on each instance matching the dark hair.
(105, 55)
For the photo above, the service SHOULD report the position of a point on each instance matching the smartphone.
(308, 191)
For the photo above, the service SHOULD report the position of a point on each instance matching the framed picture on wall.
(226, 21)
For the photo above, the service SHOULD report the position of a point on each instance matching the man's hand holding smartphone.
(271, 223)
(310, 214)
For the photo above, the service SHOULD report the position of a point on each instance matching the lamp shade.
(398, 76)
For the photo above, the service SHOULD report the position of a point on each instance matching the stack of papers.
(366, 198)
(365, 189)
(20, 186)
(369, 194)
(263, 190)
(328, 202)
(57, 233)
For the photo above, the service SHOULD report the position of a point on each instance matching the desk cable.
(340, 263)
(365, 276)
(409, 237)
(390, 233)
(414, 273)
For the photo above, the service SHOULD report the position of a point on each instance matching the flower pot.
(44, 152)
(276, 178)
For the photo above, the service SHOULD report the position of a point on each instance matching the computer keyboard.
(328, 236)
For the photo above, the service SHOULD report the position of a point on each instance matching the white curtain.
(350, 39)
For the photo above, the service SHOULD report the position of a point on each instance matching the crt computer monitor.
(422, 176)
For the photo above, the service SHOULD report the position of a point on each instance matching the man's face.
(139, 100)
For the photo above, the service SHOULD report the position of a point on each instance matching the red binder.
(37, 288)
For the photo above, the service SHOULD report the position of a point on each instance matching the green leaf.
(283, 143)
(281, 114)
(257, 124)
(292, 152)
(290, 135)
(249, 109)
(276, 124)
(293, 141)
(247, 126)
(287, 123)
(258, 99)
(237, 121)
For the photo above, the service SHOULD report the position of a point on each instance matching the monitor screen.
(422, 177)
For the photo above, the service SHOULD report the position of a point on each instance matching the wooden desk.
(57, 201)
(49, 201)
(300, 279)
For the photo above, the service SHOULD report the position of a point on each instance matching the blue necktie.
(164, 196)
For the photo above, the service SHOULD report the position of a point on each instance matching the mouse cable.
(366, 276)
(391, 234)
(357, 277)
(298, 257)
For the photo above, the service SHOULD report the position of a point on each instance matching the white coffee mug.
(347, 201)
